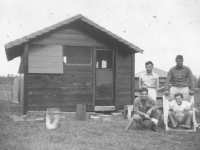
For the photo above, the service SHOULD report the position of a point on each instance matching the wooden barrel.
(80, 112)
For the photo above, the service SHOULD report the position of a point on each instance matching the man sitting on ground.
(145, 108)
(180, 112)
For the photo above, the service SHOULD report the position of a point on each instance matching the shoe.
(155, 128)
(139, 125)
(173, 126)
(186, 126)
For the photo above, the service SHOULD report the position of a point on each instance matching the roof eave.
(9, 47)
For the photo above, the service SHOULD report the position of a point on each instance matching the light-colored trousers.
(154, 114)
(183, 90)
(152, 93)
(185, 119)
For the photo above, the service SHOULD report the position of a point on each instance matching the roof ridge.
(33, 35)
(42, 31)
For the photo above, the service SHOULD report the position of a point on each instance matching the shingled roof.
(15, 45)
(157, 71)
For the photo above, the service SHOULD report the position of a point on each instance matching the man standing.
(149, 80)
(145, 108)
(181, 112)
(179, 77)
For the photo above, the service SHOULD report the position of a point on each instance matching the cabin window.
(162, 80)
(77, 55)
(104, 59)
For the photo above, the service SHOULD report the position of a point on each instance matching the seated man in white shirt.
(180, 112)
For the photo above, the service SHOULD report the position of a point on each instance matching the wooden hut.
(162, 78)
(74, 62)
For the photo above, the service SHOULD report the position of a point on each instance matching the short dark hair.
(179, 57)
(148, 62)
(143, 89)
(178, 94)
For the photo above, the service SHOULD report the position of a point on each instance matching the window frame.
(71, 64)
(112, 58)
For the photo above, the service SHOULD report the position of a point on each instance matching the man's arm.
(191, 78)
(157, 83)
(169, 77)
(155, 104)
(136, 108)
(140, 82)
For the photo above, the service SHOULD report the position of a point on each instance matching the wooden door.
(104, 95)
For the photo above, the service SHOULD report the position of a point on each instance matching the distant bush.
(7, 80)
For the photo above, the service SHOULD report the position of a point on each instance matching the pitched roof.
(157, 71)
(18, 42)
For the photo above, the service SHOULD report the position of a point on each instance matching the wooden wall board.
(124, 80)
(77, 74)
(46, 70)
(104, 102)
(124, 85)
(68, 42)
(51, 102)
(80, 37)
(45, 59)
(46, 64)
(78, 68)
(62, 108)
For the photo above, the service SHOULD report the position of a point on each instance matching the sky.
(162, 28)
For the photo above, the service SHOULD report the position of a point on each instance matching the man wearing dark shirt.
(181, 78)
(146, 108)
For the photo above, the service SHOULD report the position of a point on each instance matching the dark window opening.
(104, 59)
(162, 80)
(77, 55)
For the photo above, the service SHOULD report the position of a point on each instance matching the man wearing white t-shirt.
(180, 112)
(149, 80)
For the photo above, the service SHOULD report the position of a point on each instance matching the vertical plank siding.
(124, 80)
(65, 90)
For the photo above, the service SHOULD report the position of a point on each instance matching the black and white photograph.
(99, 75)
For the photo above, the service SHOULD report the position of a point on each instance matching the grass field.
(89, 134)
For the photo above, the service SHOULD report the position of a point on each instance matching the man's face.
(179, 62)
(149, 68)
(178, 100)
(144, 95)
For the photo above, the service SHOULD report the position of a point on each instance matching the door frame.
(95, 75)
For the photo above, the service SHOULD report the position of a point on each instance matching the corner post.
(25, 78)
(115, 77)
(133, 78)
(94, 75)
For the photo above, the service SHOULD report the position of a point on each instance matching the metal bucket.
(80, 112)
(53, 117)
